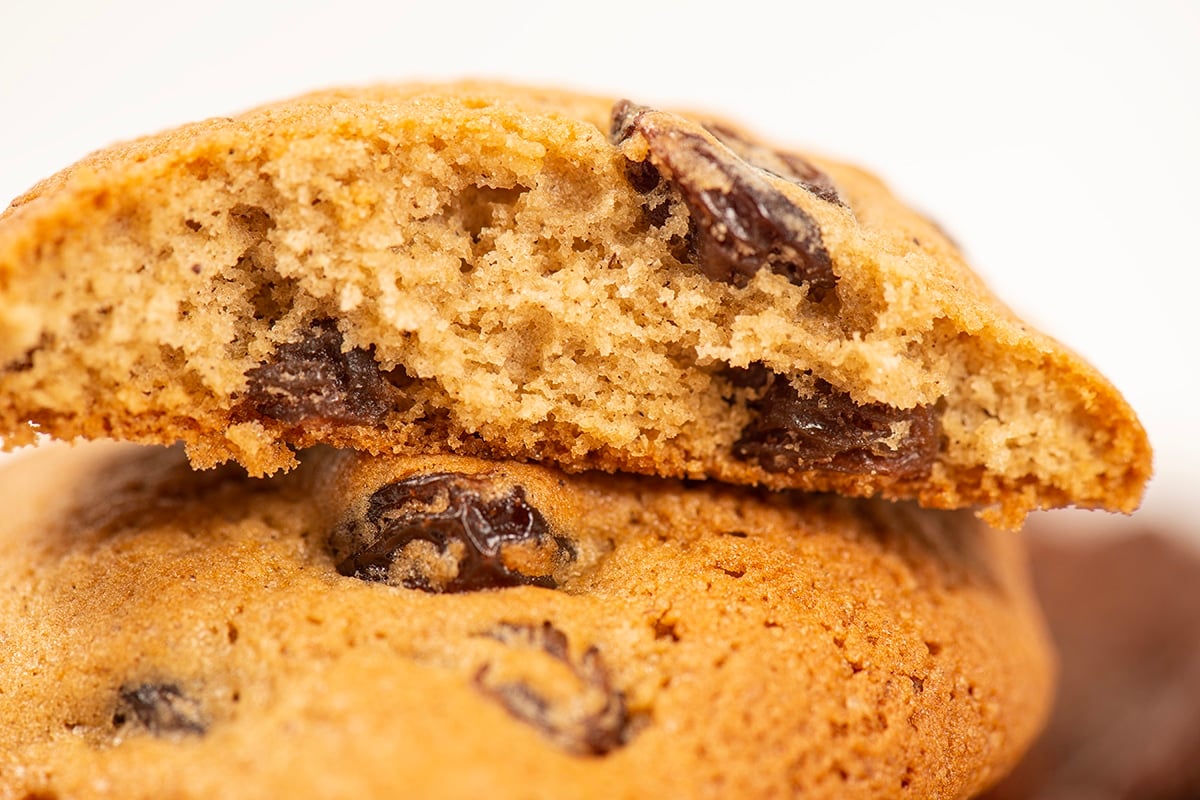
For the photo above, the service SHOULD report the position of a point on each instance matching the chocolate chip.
(443, 532)
(740, 222)
(789, 166)
(829, 431)
(313, 380)
(159, 708)
(596, 722)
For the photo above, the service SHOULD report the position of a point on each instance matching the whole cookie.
(448, 627)
(530, 274)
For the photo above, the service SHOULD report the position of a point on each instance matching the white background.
(1057, 140)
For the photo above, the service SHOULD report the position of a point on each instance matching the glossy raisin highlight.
(829, 431)
(598, 720)
(739, 221)
(444, 532)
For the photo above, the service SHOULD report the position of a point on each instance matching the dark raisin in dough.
(478, 537)
(830, 431)
(159, 708)
(789, 166)
(571, 726)
(313, 380)
(739, 224)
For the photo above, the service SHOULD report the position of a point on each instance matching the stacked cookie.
(612, 452)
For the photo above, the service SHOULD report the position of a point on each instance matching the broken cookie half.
(531, 274)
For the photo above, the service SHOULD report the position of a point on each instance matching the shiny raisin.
(829, 431)
(444, 532)
(789, 166)
(315, 380)
(739, 221)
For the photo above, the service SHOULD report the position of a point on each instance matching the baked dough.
(192, 634)
(530, 274)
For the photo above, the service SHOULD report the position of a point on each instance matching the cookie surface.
(537, 275)
(172, 633)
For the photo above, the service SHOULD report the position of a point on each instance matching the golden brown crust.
(180, 634)
(487, 240)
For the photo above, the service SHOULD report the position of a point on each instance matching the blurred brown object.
(1124, 613)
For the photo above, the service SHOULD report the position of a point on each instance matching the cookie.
(519, 273)
(1125, 618)
(442, 626)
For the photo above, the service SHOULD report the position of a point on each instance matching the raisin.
(830, 431)
(789, 166)
(443, 532)
(159, 708)
(595, 723)
(642, 176)
(623, 119)
(313, 380)
(740, 222)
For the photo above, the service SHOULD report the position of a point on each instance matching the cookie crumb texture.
(192, 636)
(538, 275)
